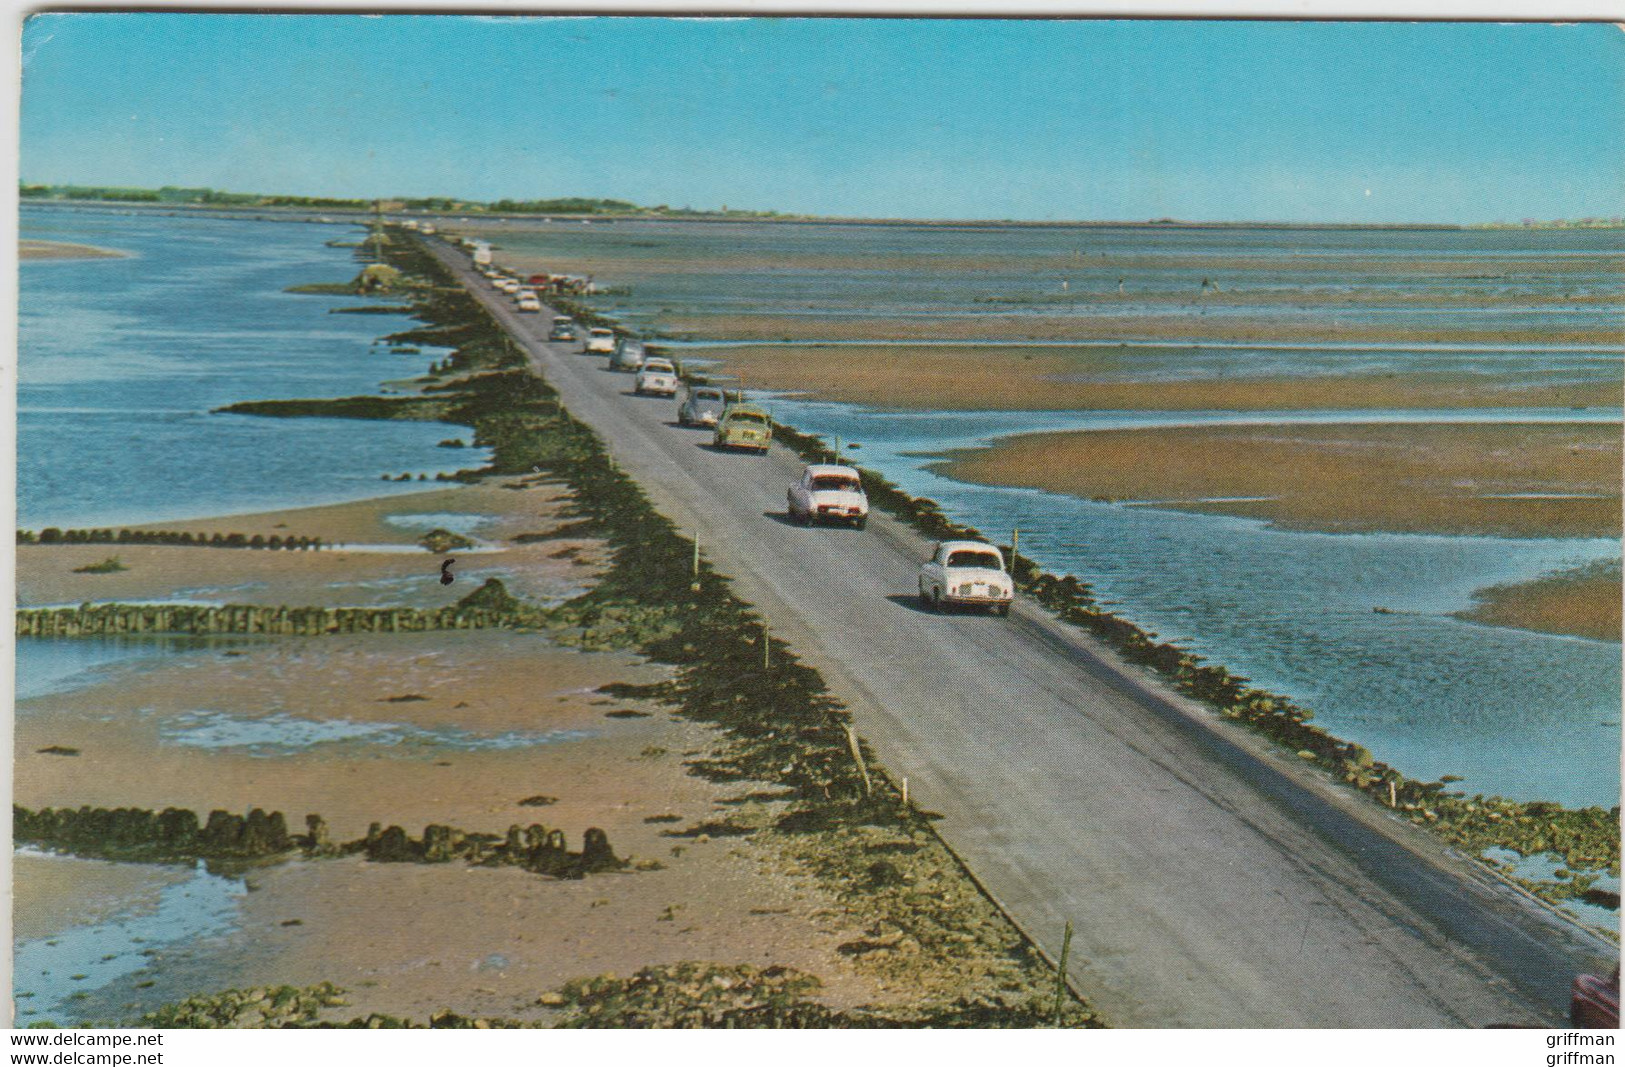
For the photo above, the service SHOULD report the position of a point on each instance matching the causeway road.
(1212, 880)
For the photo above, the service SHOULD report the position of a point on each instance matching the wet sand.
(982, 378)
(545, 571)
(50, 894)
(30, 249)
(410, 939)
(1192, 326)
(475, 729)
(1505, 480)
(1584, 602)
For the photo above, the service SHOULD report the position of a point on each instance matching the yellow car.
(744, 426)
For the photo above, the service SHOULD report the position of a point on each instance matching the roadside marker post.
(1060, 973)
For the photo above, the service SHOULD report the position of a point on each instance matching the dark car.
(1594, 1003)
(563, 330)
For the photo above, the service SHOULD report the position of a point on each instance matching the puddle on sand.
(282, 734)
(51, 974)
(461, 522)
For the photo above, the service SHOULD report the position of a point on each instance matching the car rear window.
(746, 416)
(973, 558)
(707, 394)
(834, 481)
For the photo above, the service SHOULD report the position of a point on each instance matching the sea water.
(122, 363)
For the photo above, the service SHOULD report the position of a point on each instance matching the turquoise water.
(1518, 714)
(121, 362)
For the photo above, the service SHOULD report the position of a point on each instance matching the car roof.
(954, 546)
(656, 363)
(751, 409)
(816, 469)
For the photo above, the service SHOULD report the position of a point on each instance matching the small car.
(966, 573)
(830, 493)
(564, 329)
(702, 407)
(629, 356)
(508, 285)
(657, 377)
(743, 426)
(529, 303)
(600, 341)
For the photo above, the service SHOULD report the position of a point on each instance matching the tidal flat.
(1510, 480)
(972, 377)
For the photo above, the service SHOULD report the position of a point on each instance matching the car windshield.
(656, 366)
(708, 394)
(603, 333)
(835, 481)
(746, 416)
(970, 557)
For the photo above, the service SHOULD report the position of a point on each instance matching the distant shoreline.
(351, 215)
(38, 250)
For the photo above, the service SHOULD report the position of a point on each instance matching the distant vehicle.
(830, 493)
(529, 303)
(525, 291)
(702, 407)
(629, 356)
(507, 285)
(966, 573)
(743, 426)
(563, 329)
(427, 227)
(658, 377)
(1594, 1001)
(600, 341)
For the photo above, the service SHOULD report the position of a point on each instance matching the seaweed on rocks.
(176, 835)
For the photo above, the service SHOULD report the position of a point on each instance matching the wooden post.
(1393, 794)
(905, 792)
(767, 647)
(857, 756)
(1015, 549)
(694, 586)
(1060, 973)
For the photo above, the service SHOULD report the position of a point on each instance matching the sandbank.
(982, 378)
(31, 249)
(1581, 602)
(1188, 326)
(1525, 480)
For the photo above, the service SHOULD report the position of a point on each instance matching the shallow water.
(50, 973)
(122, 361)
(281, 734)
(47, 665)
(1524, 715)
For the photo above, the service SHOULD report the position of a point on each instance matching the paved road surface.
(1212, 881)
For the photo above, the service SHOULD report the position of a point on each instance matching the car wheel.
(936, 601)
(1003, 611)
(861, 523)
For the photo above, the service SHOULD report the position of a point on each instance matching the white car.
(600, 341)
(830, 493)
(529, 303)
(657, 378)
(629, 356)
(508, 285)
(966, 573)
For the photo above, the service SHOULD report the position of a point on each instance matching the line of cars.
(959, 574)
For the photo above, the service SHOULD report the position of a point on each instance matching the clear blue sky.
(1356, 122)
